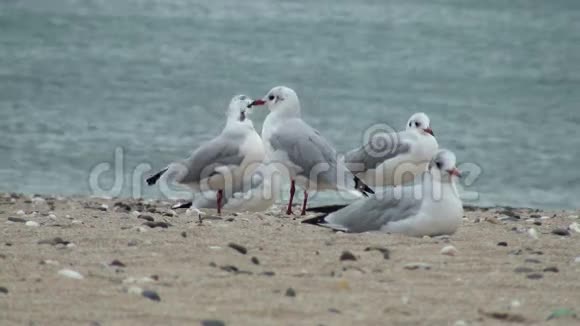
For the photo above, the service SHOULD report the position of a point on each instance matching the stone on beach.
(70, 274)
(449, 251)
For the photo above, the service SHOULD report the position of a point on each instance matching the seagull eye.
(438, 164)
(417, 124)
(271, 97)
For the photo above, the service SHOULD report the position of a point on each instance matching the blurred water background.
(499, 79)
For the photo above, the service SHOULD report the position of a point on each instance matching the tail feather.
(153, 179)
(362, 187)
(326, 209)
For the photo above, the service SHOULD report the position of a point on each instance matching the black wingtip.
(153, 179)
(318, 220)
(182, 205)
(325, 209)
(362, 187)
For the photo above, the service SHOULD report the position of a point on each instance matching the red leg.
(292, 189)
(304, 202)
(220, 195)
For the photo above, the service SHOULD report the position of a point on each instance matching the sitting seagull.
(222, 163)
(388, 159)
(300, 151)
(429, 207)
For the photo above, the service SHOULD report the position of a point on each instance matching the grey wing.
(307, 149)
(371, 214)
(379, 148)
(219, 152)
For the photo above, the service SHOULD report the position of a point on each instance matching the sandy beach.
(86, 261)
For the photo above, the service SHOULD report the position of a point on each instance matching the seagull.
(394, 158)
(223, 162)
(430, 207)
(300, 151)
(258, 194)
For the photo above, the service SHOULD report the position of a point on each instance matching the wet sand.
(280, 273)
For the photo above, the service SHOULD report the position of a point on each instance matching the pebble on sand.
(53, 241)
(347, 255)
(135, 290)
(561, 232)
(533, 233)
(70, 274)
(415, 266)
(146, 217)
(239, 248)
(32, 224)
(3, 290)
(502, 244)
(151, 295)
(449, 251)
(535, 276)
(158, 224)
(38, 201)
(255, 261)
(17, 220)
(117, 263)
(290, 292)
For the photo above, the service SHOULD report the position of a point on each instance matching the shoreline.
(263, 268)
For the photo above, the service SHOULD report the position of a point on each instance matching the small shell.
(533, 233)
(449, 251)
(70, 274)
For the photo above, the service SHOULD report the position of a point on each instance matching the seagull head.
(238, 108)
(445, 161)
(280, 99)
(420, 121)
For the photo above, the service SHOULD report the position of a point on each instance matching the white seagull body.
(299, 151)
(224, 162)
(430, 207)
(390, 159)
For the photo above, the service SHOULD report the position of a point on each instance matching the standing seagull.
(395, 158)
(223, 162)
(300, 150)
(259, 193)
(429, 207)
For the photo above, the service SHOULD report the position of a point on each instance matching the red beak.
(429, 131)
(455, 172)
(256, 102)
